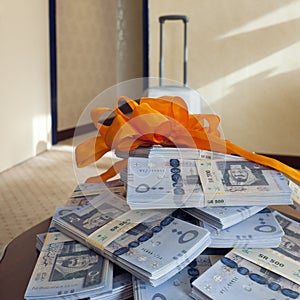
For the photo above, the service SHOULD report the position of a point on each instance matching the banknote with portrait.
(283, 260)
(151, 244)
(66, 268)
(242, 182)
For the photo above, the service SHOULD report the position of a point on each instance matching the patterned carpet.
(30, 191)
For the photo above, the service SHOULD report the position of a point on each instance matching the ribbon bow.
(164, 121)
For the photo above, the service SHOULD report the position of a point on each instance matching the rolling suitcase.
(191, 96)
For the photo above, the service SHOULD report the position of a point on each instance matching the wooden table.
(18, 263)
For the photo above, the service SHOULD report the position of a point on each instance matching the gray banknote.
(260, 230)
(234, 277)
(179, 286)
(66, 268)
(152, 244)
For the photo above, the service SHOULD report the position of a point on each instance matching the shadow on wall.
(265, 112)
(222, 42)
(247, 65)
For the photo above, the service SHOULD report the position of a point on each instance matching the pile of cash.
(166, 179)
(222, 217)
(151, 244)
(249, 273)
(66, 268)
(178, 224)
(257, 231)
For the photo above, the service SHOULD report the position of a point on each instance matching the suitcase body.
(192, 97)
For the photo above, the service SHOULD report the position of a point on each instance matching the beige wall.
(244, 58)
(99, 43)
(24, 80)
(86, 55)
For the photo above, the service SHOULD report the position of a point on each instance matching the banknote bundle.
(84, 192)
(150, 183)
(261, 230)
(66, 269)
(242, 182)
(166, 182)
(283, 260)
(179, 286)
(165, 177)
(121, 284)
(223, 216)
(152, 245)
(40, 238)
(234, 277)
(247, 273)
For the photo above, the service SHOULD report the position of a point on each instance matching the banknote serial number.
(216, 201)
(271, 260)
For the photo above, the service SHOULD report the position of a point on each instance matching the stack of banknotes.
(170, 152)
(222, 217)
(261, 230)
(179, 286)
(121, 285)
(179, 224)
(234, 277)
(151, 244)
(249, 273)
(67, 269)
(173, 180)
(255, 234)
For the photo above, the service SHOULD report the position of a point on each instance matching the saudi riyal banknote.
(234, 277)
(242, 182)
(283, 260)
(67, 269)
(262, 230)
(163, 183)
(223, 216)
(179, 286)
(84, 192)
(151, 244)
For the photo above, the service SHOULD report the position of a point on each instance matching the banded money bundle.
(222, 217)
(66, 269)
(248, 273)
(243, 227)
(164, 182)
(153, 245)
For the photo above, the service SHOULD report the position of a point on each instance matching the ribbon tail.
(109, 173)
(90, 151)
(264, 160)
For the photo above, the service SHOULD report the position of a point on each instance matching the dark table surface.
(18, 263)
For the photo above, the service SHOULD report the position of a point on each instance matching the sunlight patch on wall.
(285, 13)
(41, 133)
(281, 62)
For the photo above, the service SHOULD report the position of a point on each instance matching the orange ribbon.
(164, 121)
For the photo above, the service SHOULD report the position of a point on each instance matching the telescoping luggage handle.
(185, 20)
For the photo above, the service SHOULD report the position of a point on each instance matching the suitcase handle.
(162, 20)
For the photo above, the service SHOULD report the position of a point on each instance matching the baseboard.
(69, 133)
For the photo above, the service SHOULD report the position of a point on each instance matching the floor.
(30, 191)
